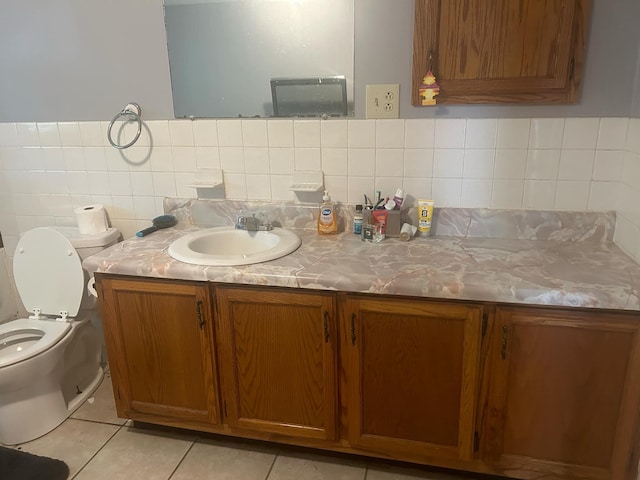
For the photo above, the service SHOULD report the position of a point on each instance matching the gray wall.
(635, 105)
(85, 59)
(82, 59)
(383, 54)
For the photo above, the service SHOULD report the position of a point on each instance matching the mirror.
(226, 55)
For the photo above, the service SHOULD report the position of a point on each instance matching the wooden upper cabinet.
(564, 394)
(278, 360)
(412, 376)
(500, 51)
(159, 337)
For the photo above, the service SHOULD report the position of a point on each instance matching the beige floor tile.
(74, 442)
(222, 460)
(134, 454)
(100, 407)
(389, 472)
(316, 467)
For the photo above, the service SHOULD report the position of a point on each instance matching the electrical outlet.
(382, 100)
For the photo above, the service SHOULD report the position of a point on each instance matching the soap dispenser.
(327, 218)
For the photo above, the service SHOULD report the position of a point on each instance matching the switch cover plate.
(383, 100)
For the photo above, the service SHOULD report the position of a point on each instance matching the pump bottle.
(327, 218)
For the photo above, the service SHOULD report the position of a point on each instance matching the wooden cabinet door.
(412, 376)
(278, 360)
(561, 383)
(500, 51)
(159, 338)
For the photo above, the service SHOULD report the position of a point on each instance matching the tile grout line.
(275, 457)
(97, 452)
(99, 422)
(193, 442)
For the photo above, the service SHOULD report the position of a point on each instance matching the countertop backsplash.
(593, 227)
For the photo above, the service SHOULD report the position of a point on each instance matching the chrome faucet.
(252, 224)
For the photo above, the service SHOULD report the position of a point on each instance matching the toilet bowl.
(50, 362)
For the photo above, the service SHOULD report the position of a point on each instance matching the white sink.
(227, 246)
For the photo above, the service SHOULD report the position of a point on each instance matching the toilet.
(51, 361)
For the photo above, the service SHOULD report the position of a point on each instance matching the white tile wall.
(47, 169)
(481, 133)
(580, 132)
(513, 133)
(546, 133)
(627, 234)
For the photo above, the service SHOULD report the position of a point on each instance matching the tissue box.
(394, 222)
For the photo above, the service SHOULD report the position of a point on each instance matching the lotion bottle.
(327, 218)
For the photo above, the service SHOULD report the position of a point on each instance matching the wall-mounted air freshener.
(429, 88)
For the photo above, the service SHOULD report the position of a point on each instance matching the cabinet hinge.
(325, 326)
(353, 329)
(572, 67)
(505, 339)
(476, 441)
(201, 321)
(485, 321)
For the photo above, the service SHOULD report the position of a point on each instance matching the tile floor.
(97, 445)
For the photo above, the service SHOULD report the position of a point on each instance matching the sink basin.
(227, 246)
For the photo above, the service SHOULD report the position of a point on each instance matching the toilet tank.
(87, 245)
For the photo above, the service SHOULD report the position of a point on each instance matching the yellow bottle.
(327, 218)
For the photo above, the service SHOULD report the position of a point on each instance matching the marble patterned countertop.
(546, 258)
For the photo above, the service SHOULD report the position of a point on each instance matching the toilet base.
(43, 410)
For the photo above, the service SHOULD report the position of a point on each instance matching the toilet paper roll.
(407, 231)
(91, 287)
(91, 219)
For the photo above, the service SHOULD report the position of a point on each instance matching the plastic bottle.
(398, 198)
(358, 218)
(327, 218)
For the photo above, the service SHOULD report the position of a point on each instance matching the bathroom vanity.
(339, 348)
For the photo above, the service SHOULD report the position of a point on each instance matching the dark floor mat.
(18, 465)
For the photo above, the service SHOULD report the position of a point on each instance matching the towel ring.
(133, 111)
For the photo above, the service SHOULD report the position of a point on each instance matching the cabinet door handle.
(199, 312)
(505, 338)
(353, 329)
(326, 327)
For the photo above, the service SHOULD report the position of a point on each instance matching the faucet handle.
(257, 221)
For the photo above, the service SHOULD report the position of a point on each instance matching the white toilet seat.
(48, 273)
(50, 333)
(42, 254)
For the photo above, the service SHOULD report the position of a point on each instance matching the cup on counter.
(378, 232)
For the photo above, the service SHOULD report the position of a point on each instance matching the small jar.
(368, 232)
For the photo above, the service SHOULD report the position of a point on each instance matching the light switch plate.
(382, 100)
